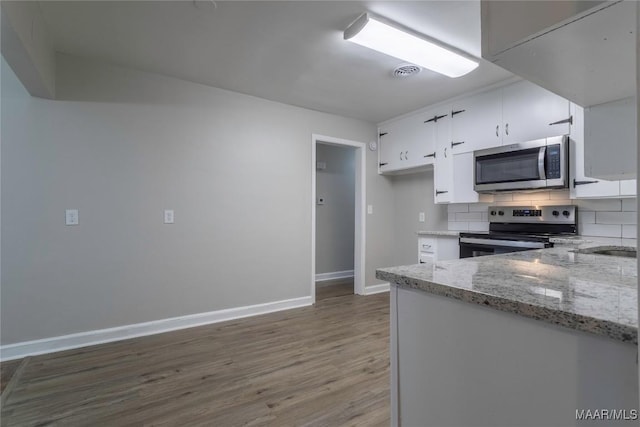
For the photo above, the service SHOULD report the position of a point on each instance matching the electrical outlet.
(421, 217)
(71, 217)
(168, 216)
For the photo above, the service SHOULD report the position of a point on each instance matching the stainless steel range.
(520, 228)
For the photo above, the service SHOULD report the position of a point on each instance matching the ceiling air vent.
(406, 70)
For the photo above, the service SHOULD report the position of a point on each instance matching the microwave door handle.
(541, 156)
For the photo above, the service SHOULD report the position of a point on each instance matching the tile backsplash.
(614, 218)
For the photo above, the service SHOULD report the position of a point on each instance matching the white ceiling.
(286, 51)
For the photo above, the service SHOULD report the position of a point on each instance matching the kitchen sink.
(622, 251)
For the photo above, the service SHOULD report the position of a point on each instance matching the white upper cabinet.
(516, 113)
(582, 50)
(406, 144)
(530, 112)
(475, 122)
(463, 180)
(443, 172)
(610, 141)
(581, 185)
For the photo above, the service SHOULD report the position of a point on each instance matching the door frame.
(360, 210)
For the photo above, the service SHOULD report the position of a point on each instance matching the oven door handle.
(541, 155)
(507, 243)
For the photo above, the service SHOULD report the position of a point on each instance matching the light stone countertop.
(438, 233)
(585, 292)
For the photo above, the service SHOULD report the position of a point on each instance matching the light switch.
(421, 217)
(168, 216)
(72, 217)
(370, 209)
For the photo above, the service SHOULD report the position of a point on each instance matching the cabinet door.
(421, 141)
(443, 173)
(582, 186)
(387, 145)
(610, 139)
(463, 180)
(427, 248)
(476, 122)
(529, 112)
(406, 143)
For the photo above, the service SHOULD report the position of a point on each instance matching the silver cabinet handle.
(406, 155)
(453, 144)
(497, 129)
(445, 152)
(506, 128)
(440, 192)
(401, 155)
(425, 246)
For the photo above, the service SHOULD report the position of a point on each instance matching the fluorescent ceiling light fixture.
(373, 33)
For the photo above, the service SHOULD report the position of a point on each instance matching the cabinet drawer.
(426, 257)
(428, 245)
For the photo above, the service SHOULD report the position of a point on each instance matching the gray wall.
(335, 220)
(413, 194)
(123, 145)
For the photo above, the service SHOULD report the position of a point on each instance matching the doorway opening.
(338, 220)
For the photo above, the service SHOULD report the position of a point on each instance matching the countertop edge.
(616, 331)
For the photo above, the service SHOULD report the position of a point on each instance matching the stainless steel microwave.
(539, 164)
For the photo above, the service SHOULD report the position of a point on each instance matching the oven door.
(473, 247)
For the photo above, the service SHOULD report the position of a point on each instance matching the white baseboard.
(334, 275)
(100, 336)
(376, 289)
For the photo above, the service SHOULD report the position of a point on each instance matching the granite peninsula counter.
(523, 339)
(591, 293)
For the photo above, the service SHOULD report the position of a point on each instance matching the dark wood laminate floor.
(7, 370)
(334, 288)
(326, 365)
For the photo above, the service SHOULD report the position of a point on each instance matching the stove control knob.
(565, 213)
(493, 213)
(500, 213)
(555, 213)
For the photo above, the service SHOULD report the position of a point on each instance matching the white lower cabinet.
(437, 248)
(455, 363)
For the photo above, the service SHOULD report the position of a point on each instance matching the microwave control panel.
(553, 160)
